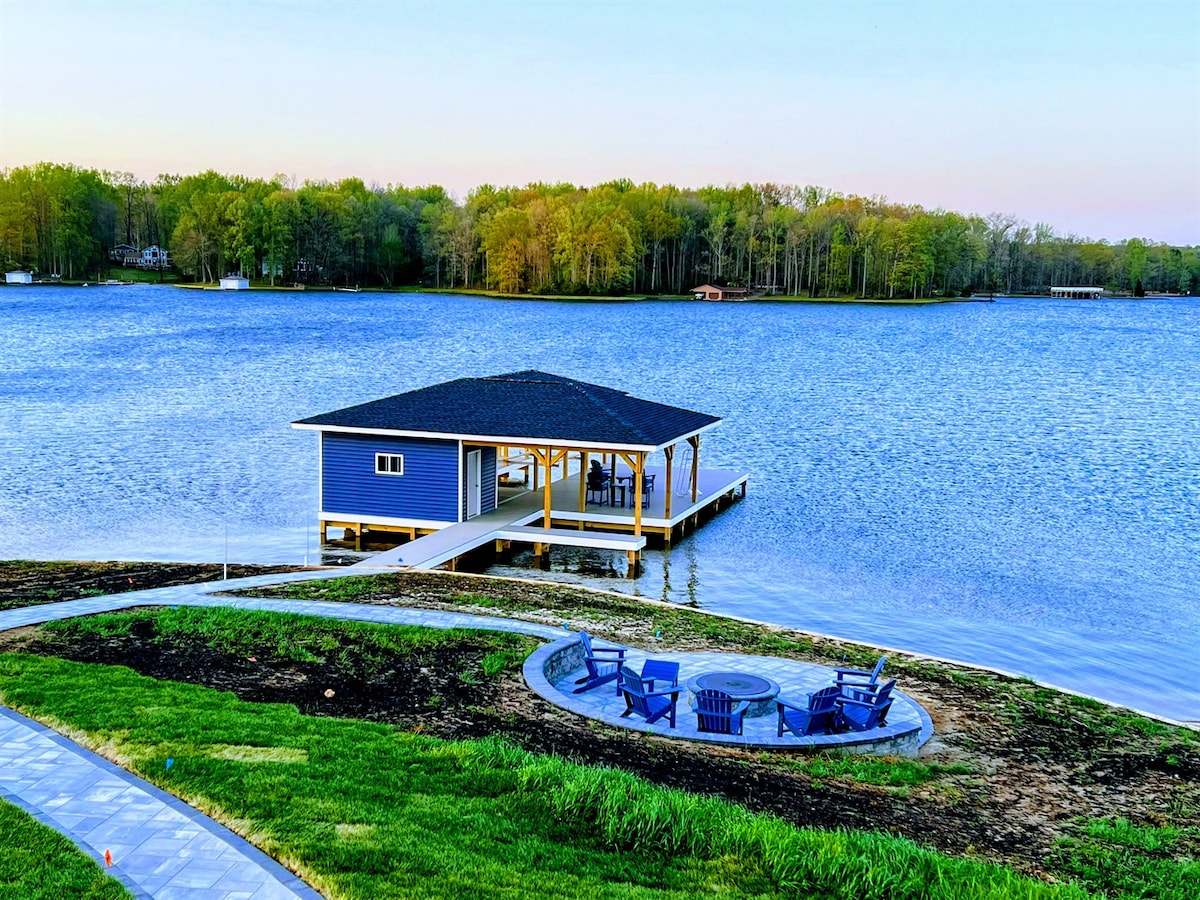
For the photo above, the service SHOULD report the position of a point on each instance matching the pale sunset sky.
(1084, 115)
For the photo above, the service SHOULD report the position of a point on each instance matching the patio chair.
(868, 712)
(603, 665)
(598, 485)
(660, 670)
(718, 713)
(855, 683)
(650, 704)
(819, 717)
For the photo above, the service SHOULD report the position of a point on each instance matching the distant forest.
(613, 238)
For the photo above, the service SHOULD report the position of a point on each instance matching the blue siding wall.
(487, 462)
(427, 490)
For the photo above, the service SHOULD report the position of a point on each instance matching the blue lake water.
(1014, 484)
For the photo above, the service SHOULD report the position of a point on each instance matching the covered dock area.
(528, 456)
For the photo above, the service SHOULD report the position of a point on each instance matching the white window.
(389, 464)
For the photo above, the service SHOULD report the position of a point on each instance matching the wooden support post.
(358, 530)
(669, 454)
(639, 468)
(694, 440)
(534, 454)
(322, 531)
(583, 465)
(546, 491)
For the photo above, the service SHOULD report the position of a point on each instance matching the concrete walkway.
(161, 847)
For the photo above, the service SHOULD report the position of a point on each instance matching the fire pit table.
(758, 691)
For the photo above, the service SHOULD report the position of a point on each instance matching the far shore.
(588, 298)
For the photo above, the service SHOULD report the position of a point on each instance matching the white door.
(474, 483)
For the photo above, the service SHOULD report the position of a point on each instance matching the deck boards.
(519, 518)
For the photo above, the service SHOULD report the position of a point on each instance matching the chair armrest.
(842, 672)
(662, 692)
(740, 709)
(620, 651)
(866, 686)
(845, 700)
(791, 705)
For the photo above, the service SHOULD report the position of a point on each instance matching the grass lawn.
(365, 810)
(38, 863)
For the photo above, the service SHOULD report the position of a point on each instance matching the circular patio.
(551, 671)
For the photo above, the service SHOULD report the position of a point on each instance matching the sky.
(1083, 115)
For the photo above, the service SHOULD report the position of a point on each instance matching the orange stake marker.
(107, 858)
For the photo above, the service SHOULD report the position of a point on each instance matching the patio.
(551, 672)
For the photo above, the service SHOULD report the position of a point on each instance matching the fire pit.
(760, 692)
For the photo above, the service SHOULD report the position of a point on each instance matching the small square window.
(389, 464)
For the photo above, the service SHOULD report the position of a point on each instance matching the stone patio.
(551, 672)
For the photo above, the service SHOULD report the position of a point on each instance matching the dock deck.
(520, 516)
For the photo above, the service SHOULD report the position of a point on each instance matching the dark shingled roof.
(528, 404)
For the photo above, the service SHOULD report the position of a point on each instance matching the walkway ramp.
(455, 540)
(509, 522)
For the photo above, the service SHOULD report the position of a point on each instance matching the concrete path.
(161, 847)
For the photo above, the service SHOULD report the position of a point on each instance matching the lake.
(1013, 484)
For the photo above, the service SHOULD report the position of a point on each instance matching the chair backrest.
(595, 481)
(587, 646)
(661, 670)
(635, 692)
(881, 702)
(714, 711)
(824, 700)
(878, 668)
(883, 695)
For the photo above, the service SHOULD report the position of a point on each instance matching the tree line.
(613, 238)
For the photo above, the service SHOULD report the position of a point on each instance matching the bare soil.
(1035, 768)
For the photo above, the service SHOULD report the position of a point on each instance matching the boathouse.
(1076, 293)
(714, 292)
(235, 283)
(501, 452)
(18, 277)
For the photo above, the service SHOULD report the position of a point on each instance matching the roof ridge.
(578, 385)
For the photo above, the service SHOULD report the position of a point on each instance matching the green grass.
(38, 863)
(364, 810)
(364, 646)
(1133, 861)
(898, 772)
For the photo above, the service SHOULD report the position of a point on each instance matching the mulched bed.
(24, 583)
(1030, 778)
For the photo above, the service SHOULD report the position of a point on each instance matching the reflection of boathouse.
(507, 458)
(1077, 293)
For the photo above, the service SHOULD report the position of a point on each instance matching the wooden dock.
(520, 518)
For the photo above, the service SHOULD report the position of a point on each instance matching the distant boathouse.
(525, 456)
(716, 292)
(1077, 293)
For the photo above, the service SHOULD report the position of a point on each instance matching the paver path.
(161, 847)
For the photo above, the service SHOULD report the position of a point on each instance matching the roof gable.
(527, 404)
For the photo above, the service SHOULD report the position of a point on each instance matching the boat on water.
(347, 290)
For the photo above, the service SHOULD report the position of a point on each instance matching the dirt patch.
(24, 583)
(1037, 760)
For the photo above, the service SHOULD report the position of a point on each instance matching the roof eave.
(506, 440)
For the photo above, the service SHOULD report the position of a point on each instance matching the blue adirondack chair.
(650, 704)
(654, 670)
(603, 665)
(819, 717)
(718, 713)
(854, 683)
(868, 712)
